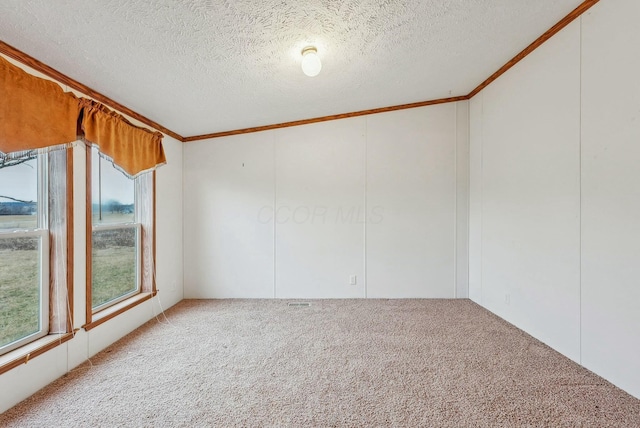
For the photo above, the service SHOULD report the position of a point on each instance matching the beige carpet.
(353, 363)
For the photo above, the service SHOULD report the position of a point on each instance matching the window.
(34, 248)
(35, 252)
(24, 251)
(120, 242)
(115, 235)
(37, 213)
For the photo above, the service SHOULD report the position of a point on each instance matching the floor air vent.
(298, 304)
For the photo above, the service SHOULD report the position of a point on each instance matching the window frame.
(41, 230)
(146, 254)
(59, 264)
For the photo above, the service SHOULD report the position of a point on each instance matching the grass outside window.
(19, 293)
(115, 264)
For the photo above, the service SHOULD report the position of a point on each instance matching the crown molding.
(573, 15)
(324, 118)
(64, 79)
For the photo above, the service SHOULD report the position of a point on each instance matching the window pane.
(18, 194)
(114, 264)
(112, 193)
(19, 288)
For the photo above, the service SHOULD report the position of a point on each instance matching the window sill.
(115, 310)
(22, 355)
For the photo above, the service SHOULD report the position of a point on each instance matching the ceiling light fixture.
(311, 64)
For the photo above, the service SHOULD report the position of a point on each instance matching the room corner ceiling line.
(325, 118)
(28, 60)
(574, 14)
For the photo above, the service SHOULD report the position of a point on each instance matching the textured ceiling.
(205, 66)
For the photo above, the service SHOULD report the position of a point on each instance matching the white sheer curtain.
(145, 185)
(59, 301)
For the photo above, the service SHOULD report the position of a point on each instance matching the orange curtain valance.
(132, 148)
(34, 113)
(37, 114)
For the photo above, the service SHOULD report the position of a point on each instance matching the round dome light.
(311, 64)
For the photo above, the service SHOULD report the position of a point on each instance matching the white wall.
(411, 177)
(23, 381)
(229, 248)
(554, 194)
(295, 212)
(462, 199)
(530, 194)
(319, 199)
(611, 192)
(475, 198)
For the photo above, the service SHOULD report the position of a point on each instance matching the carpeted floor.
(352, 363)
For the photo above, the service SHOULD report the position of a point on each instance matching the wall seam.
(482, 198)
(183, 222)
(366, 211)
(275, 214)
(182, 149)
(580, 203)
(468, 166)
(455, 204)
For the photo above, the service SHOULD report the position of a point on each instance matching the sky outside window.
(19, 195)
(114, 189)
